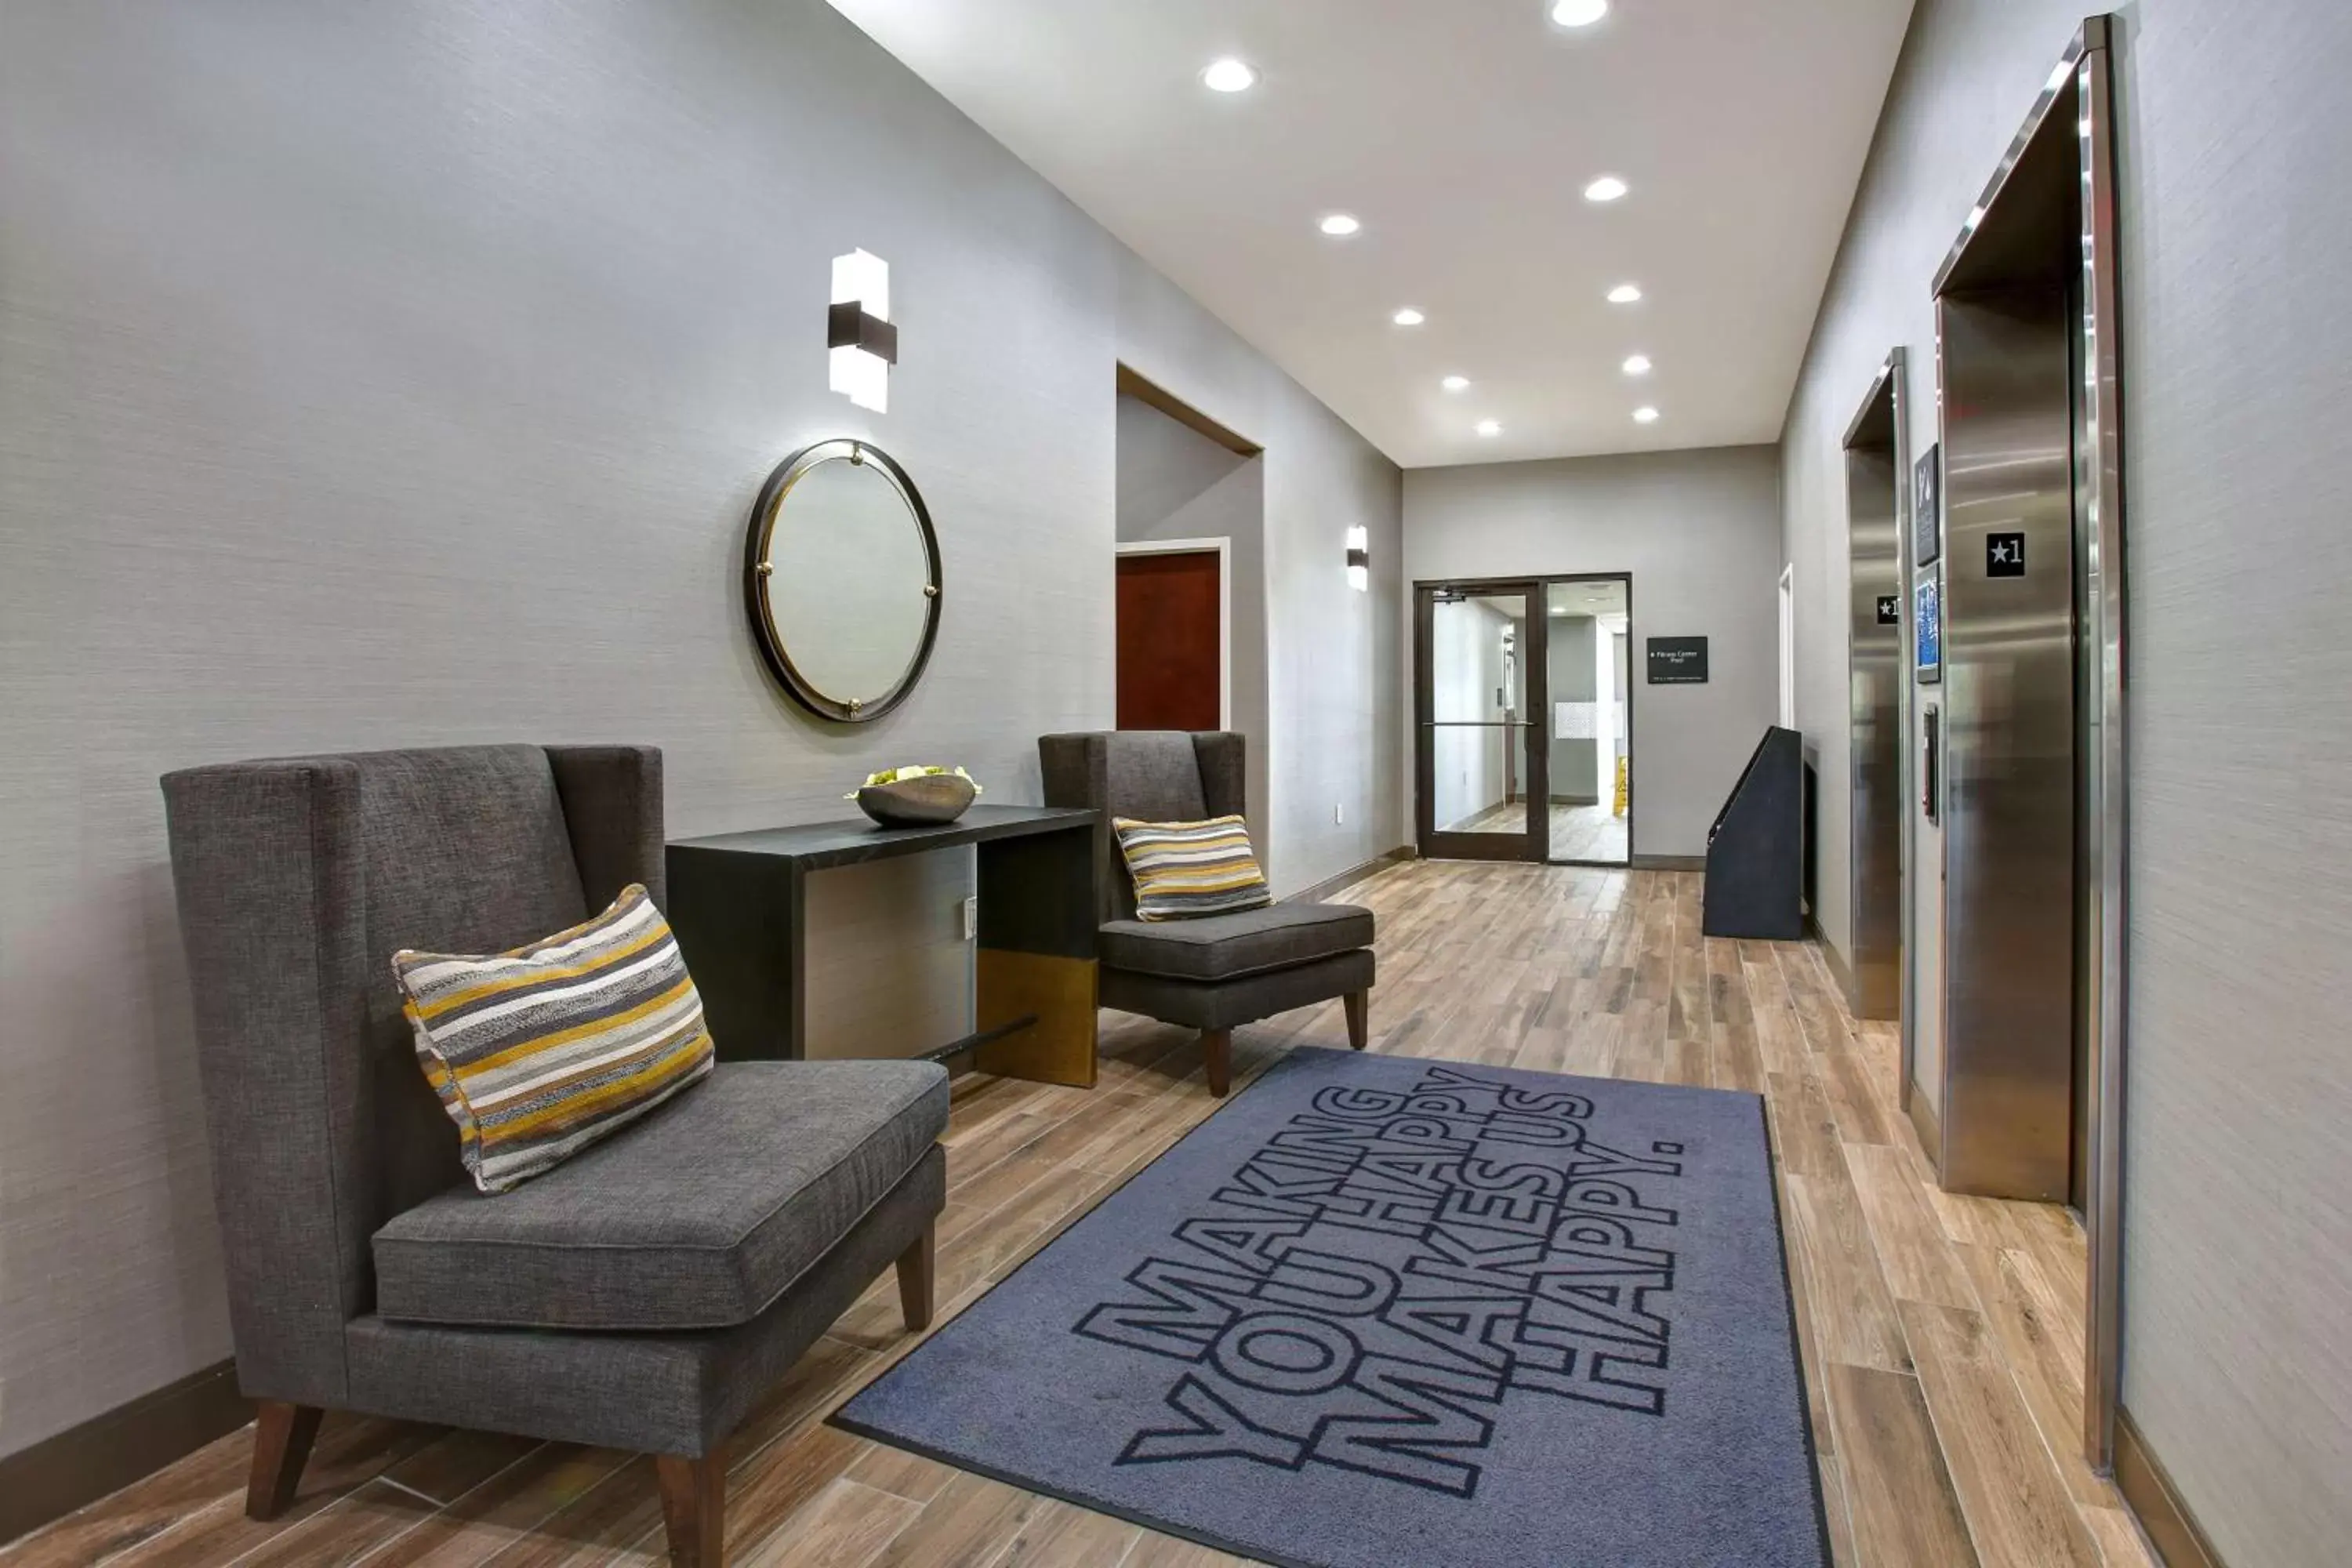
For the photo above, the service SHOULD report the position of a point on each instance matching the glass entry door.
(1479, 690)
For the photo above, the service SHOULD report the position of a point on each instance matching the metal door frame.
(2083, 82)
(1536, 843)
(1890, 381)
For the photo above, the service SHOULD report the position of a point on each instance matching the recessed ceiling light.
(1638, 364)
(1645, 415)
(1455, 383)
(1624, 294)
(1607, 188)
(1339, 226)
(1578, 13)
(1490, 427)
(1229, 75)
(1408, 317)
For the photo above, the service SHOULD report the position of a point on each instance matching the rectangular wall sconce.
(1359, 560)
(864, 343)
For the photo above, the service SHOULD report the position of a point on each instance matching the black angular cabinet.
(1756, 850)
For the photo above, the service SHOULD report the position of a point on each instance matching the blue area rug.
(1382, 1313)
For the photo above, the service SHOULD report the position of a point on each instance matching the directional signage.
(1677, 661)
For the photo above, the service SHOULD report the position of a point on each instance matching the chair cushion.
(540, 1052)
(699, 1217)
(1225, 947)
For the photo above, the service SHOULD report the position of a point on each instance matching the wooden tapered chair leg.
(1217, 1045)
(1358, 1004)
(694, 1508)
(282, 1436)
(915, 1282)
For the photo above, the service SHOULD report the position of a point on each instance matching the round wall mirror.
(841, 570)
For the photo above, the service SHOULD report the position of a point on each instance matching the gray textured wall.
(402, 375)
(2235, 136)
(1176, 483)
(1700, 531)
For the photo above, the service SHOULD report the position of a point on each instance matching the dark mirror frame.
(771, 639)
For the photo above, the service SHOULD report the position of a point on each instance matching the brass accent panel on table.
(739, 903)
(1059, 995)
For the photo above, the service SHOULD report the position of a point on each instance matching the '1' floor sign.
(2004, 555)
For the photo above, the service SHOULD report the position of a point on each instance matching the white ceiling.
(1462, 132)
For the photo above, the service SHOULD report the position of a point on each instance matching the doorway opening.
(1191, 634)
(1523, 734)
(1589, 725)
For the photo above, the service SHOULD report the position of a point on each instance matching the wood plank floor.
(1594, 833)
(1942, 1336)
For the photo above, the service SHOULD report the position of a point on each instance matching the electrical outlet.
(1338, 813)
(970, 911)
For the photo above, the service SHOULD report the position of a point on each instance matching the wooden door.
(1171, 641)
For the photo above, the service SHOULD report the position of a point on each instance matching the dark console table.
(738, 902)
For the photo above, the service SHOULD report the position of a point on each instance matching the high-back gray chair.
(1220, 971)
(642, 1294)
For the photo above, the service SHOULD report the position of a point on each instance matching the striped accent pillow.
(1184, 870)
(540, 1052)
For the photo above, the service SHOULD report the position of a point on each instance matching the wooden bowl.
(924, 802)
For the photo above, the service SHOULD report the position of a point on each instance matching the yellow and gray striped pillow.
(540, 1052)
(1183, 869)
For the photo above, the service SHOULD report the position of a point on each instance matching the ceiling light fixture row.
(1233, 75)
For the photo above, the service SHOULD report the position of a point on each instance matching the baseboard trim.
(1350, 876)
(1930, 1131)
(1668, 862)
(1838, 969)
(105, 1453)
(2170, 1528)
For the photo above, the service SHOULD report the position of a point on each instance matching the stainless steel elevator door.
(2009, 716)
(1875, 673)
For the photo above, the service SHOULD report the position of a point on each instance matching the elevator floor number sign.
(2004, 555)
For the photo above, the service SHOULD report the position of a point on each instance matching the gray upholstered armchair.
(1221, 971)
(642, 1294)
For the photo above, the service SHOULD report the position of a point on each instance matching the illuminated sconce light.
(864, 343)
(1359, 560)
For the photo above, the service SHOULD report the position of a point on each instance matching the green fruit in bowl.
(912, 771)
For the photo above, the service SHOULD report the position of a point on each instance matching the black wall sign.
(1677, 661)
(1890, 609)
(2004, 555)
(1926, 509)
